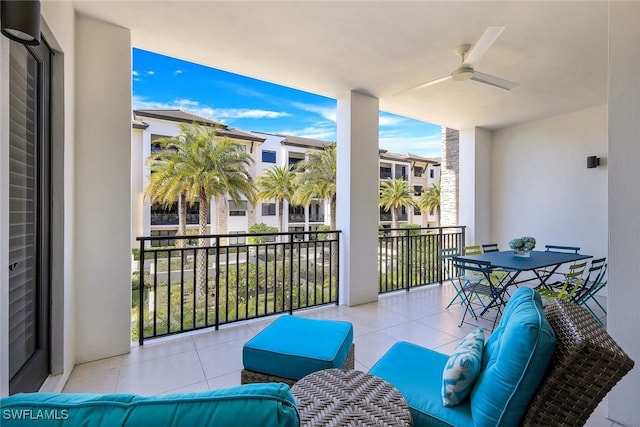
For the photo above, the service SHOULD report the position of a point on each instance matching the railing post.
(438, 255)
(290, 275)
(217, 284)
(409, 263)
(141, 294)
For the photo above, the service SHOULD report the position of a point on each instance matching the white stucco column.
(357, 197)
(624, 203)
(102, 228)
(475, 185)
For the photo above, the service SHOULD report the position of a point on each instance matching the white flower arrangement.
(522, 243)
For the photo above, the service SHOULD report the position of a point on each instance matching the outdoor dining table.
(543, 264)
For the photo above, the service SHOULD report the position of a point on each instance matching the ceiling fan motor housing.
(462, 73)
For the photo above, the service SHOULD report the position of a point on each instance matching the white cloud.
(422, 145)
(178, 72)
(135, 73)
(247, 113)
(387, 120)
(217, 114)
(327, 113)
(322, 131)
(151, 73)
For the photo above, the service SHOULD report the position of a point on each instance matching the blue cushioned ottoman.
(293, 347)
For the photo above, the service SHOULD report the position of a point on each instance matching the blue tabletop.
(536, 260)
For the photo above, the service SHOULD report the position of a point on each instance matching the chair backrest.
(556, 248)
(595, 275)
(490, 247)
(472, 250)
(573, 280)
(586, 364)
(480, 269)
(446, 254)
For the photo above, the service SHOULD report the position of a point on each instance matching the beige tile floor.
(213, 359)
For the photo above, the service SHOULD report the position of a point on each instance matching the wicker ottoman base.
(248, 376)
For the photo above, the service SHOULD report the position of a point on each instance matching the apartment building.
(421, 173)
(148, 127)
(267, 150)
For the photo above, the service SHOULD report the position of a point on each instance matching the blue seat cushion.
(417, 373)
(514, 362)
(292, 347)
(261, 404)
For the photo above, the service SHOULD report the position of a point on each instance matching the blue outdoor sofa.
(254, 405)
(539, 367)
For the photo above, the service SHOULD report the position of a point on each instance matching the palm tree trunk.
(281, 215)
(201, 271)
(394, 220)
(332, 210)
(182, 220)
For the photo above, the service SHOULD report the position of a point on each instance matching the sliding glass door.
(29, 217)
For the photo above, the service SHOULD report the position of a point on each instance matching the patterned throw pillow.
(462, 368)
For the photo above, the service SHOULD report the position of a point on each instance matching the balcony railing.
(195, 287)
(218, 282)
(296, 217)
(171, 219)
(316, 218)
(410, 257)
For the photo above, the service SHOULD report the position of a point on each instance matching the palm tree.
(167, 185)
(395, 193)
(277, 183)
(317, 179)
(430, 200)
(210, 167)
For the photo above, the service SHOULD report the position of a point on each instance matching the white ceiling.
(556, 50)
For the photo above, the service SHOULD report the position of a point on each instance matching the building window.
(417, 171)
(385, 173)
(431, 173)
(417, 190)
(268, 156)
(268, 209)
(237, 240)
(417, 211)
(237, 209)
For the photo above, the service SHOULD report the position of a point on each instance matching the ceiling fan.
(469, 56)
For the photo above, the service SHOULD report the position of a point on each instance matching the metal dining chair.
(568, 288)
(448, 272)
(595, 280)
(479, 285)
(490, 247)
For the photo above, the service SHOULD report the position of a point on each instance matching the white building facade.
(267, 150)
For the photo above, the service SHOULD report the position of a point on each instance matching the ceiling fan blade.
(493, 80)
(423, 85)
(483, 44)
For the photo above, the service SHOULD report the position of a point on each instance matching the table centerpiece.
(522, 246)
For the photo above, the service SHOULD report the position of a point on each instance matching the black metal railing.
(410, 257)
(179, 289)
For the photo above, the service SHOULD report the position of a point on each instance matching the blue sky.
(161, 82)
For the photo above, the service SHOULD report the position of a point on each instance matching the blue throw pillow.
(462, 368)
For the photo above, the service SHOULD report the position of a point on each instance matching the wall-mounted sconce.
(21, 21)
(593, 162)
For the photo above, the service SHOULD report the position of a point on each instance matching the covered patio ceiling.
(555, 50)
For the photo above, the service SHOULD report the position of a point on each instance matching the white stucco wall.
(541, 184)
(475, 185)
(138, 183)
(624, 202)
(103, 189)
